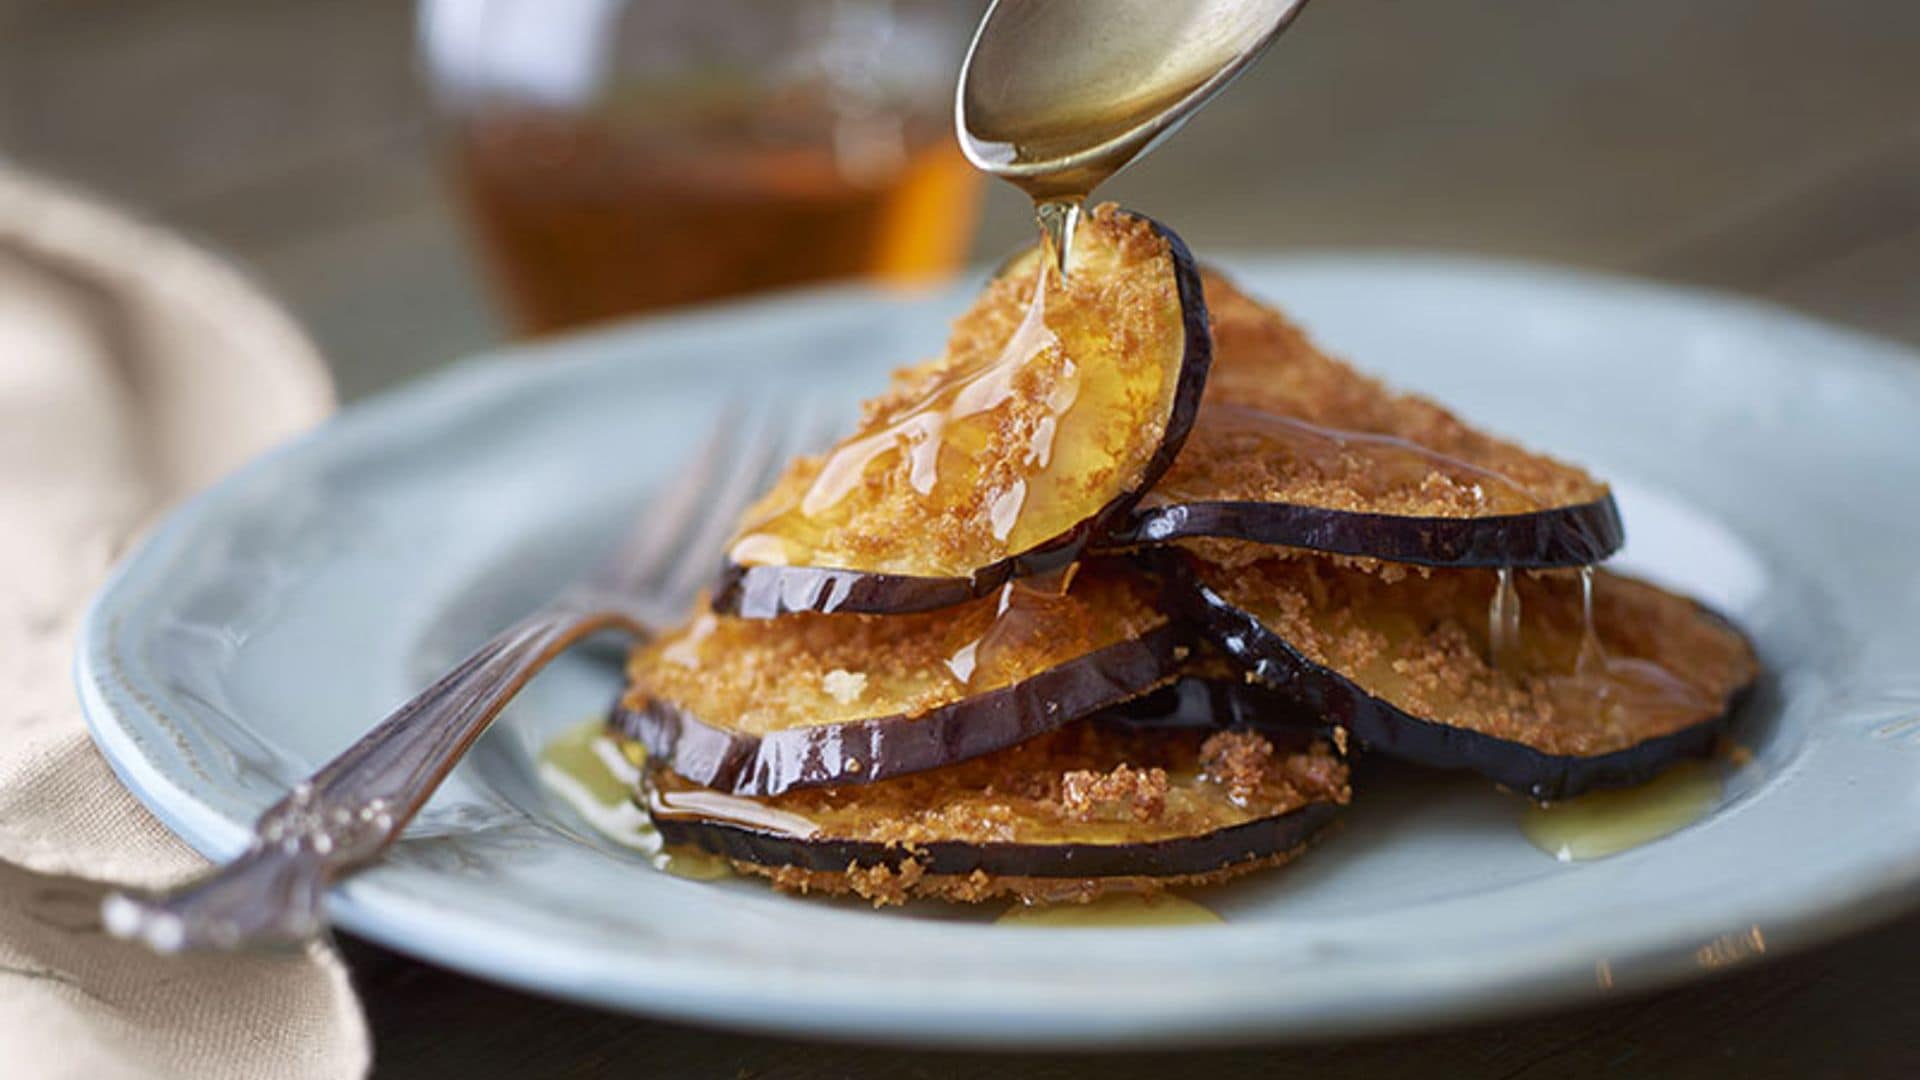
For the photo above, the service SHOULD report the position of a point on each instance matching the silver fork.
(344, 815)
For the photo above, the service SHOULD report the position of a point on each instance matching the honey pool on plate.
(1118, 910)
(595, 774)
(1604, 823)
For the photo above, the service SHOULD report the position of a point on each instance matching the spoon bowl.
(1057, 95)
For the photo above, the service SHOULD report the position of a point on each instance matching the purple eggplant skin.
(1564, 536)
(864, 751)
(1178, 857)
(762, 592)
(1387, 730)
(1197, 701)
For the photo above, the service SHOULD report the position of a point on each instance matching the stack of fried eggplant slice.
(1097, 600)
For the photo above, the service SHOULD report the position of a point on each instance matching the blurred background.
(418, 182)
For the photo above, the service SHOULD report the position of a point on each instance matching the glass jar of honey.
(619, 157)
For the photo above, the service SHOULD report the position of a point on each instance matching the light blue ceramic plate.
(1767, 463)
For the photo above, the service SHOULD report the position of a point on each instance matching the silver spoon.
(1058, 95)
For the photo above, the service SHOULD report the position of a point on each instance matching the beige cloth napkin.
(133, 369)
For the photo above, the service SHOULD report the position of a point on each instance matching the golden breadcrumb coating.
(1282, 421)
(885, 887)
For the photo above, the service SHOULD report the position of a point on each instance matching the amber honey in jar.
(625, 157)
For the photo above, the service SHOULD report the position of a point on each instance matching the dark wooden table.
(1766, 146)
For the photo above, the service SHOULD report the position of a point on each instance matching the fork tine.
(655, 539)
(752, 472)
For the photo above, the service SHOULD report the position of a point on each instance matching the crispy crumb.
(889, 889)
(843, 686)
(1137, 793)
(1237, 760)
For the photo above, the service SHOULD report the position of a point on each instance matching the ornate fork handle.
(357, 804)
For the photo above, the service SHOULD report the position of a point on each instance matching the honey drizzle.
(1597, 687)
(1591, 657)
(922, 433)
(1026, 609)
(1603, 823)
(702, 804)
(1059, 219)
(1503, 623)
(1621, 683)
(685, 650)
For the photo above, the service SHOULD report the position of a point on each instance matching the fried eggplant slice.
(1296, 449)
(761, 706)
(1057, 403)
(1409, 666)
(1085, 810)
